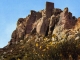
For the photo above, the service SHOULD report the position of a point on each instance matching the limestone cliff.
(40, 32)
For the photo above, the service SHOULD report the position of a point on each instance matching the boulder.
(42, 26)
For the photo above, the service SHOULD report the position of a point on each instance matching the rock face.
(66, 22)
(42, 26)
(36, 22)
(46, 22)
(77, 25)
(66, 19)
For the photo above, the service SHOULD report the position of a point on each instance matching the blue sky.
(12, 10)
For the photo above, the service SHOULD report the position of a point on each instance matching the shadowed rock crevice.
(46, 34)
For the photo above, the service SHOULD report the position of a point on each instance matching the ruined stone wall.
(49, 8)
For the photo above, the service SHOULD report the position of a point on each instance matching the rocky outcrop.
(48, 21)
(24, 26)
(77, 25)
(66, 22)
(42, 26)
(45, 28)
(30, 22)
(66, 19)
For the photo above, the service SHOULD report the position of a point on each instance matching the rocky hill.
(49, 34)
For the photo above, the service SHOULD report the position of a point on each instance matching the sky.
(12, 10)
